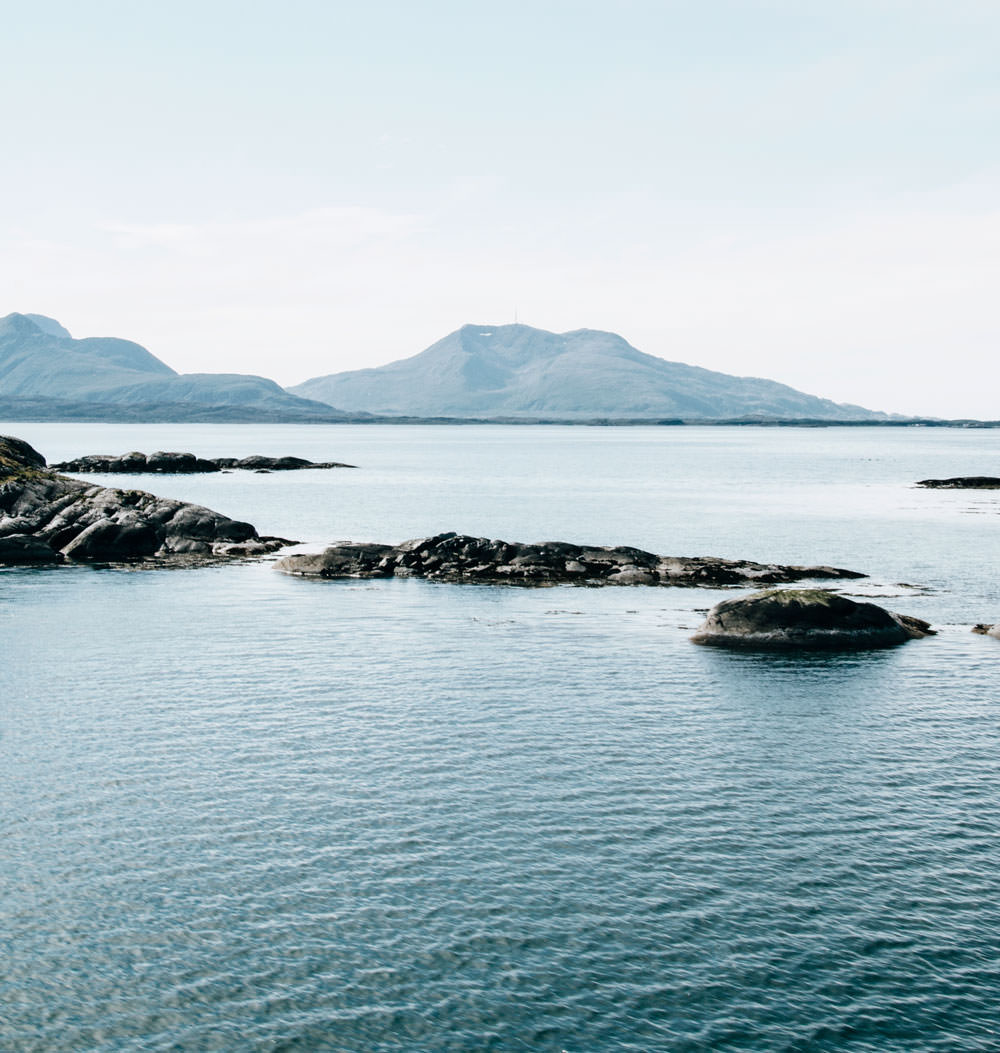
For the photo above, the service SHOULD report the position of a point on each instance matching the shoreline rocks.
(962, 482)
(806, 619)
(169, 463)
(48, 518)
(460, 558)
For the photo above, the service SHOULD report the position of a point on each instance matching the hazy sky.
(808, 191)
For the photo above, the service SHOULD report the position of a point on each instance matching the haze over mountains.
(519, 371)
(43, 368)
(480, 372)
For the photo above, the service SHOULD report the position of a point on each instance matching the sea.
(246, 811)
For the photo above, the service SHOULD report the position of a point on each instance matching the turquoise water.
(246, 811)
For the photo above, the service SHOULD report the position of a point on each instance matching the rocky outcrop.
(46, 517)
(781, 619)
(459, 558)
(987, 629)
(164, 463)
(962, 482)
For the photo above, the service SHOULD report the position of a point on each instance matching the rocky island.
(962, 482)
(48, 518)
(808, 619)
(460, 558)
(169, 463)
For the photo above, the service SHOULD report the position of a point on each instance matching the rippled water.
(245, 811)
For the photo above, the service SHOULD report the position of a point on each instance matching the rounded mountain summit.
(518, 371)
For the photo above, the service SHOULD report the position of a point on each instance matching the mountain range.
(43, 367)
(518, 371)
(506, 372)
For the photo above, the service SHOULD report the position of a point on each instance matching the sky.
(805, 191)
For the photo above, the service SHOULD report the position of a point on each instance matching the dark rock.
(344, 561)
(459, 558)
(178, 463)
(21, 548)
(273, 463)
(111, 540)
(166, 462)
(962, 482)
(134, 462)
(781, 619)
(97, 462)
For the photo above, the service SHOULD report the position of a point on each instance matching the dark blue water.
(245, 811)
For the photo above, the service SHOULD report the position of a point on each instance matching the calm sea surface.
(243, 811)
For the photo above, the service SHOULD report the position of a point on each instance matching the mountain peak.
(515, 370)
(49, 326)
(39, 360)
(18, 326)
(28, 326)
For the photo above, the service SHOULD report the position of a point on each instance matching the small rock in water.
(782, 619)
(962, 482)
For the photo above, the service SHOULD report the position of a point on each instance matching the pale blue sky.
(806, 191)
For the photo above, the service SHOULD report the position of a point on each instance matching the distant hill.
(41, 364)
(518, 371)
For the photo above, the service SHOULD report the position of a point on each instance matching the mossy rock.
(17, 457)
(784, 619)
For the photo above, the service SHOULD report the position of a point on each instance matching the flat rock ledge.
(48, 518)
(962, 482)
(164, 463)
(805, 619)
(460, 558)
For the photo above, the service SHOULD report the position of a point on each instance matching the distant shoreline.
(56, 411)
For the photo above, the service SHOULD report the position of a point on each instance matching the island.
(460, 558)
(169, 463)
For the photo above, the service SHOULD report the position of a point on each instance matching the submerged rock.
(460, 558)
(807, 619)
(163, 462)
(45, 517)
(962, 482)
